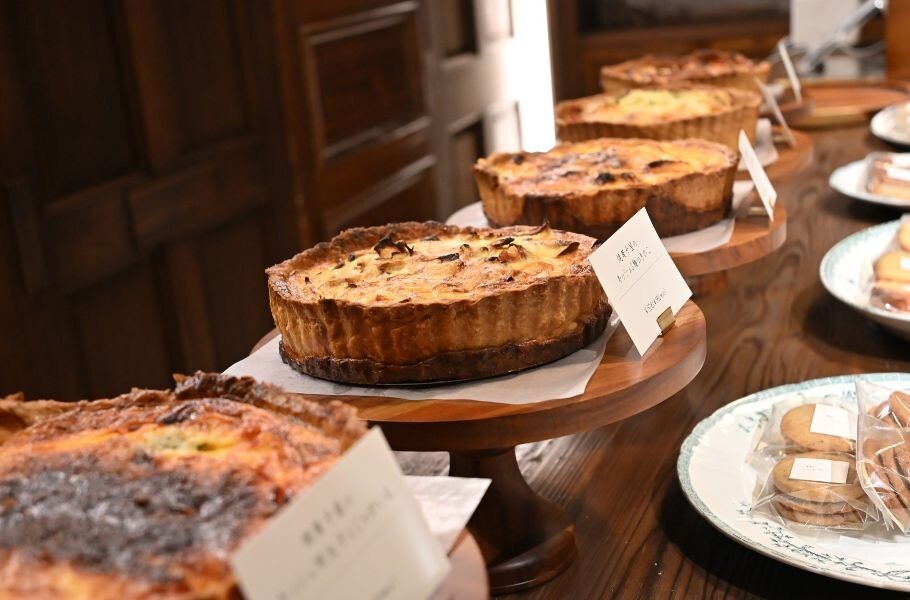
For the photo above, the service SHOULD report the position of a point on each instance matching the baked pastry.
(888, 175)
(891, 295)
(796, 425)
(674, 113)
(593, 187)
(815, 503)
(893, 266)
(903, 235)
(885, 471)
(422, 302)
(712, 67)
(146, 495)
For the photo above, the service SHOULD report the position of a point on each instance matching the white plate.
(883, 124)
(718, 484)
(846, 271)
(850, 180)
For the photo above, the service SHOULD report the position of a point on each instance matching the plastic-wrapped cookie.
(796, 427)
(817, 491)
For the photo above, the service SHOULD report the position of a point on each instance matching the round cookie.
(820, 508)
(794, 426)
(816, 491)
(900, 407)
(804, 518)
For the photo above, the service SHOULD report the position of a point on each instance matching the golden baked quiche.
(423, 302)
(595, 186)
(711, 67)
(672, 113)
(147, 495)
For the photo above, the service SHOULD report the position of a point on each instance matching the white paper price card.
(355, 533)
(771, 101)
(763, 186)
(791, 71)
(639, 278)
(833, 420)
(820, 469)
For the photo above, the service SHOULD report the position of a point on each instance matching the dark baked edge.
(456, 365)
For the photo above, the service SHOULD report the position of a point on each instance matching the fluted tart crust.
(423, 302)
(595, 186)
(711, 67)
(673, 113)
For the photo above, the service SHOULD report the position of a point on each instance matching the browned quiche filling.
(147, 495)
(675, 112)
(715, 67)
(595, 186)
(425, 302)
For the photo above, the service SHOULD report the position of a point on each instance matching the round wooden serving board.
(790, 159)
(468, 578)
(753, 238)
(836, 103)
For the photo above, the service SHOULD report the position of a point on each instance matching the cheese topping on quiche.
(594, 165)
(701, 63)
(643, 106)
(441, 267)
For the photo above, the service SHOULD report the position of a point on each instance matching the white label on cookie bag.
(357, 532)
(640, 279)
(820, 469)
(833, 420)
(766, 191)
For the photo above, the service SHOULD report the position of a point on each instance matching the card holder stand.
(666, 320)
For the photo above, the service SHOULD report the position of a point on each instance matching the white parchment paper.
(447, 503)
(564, 378)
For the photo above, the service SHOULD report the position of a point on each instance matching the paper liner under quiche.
(594, 187)
(424, 302)
(712, 67)
(147, 495)
(673, 113)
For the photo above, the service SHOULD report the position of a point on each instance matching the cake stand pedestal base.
(525, 539)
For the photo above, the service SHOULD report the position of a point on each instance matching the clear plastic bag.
(793, 436)
(883, 450)
(793, 500)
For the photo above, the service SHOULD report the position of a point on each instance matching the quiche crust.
(710, 67)
(691, 197)
(739, 110)
(510, 307)
(147, 495)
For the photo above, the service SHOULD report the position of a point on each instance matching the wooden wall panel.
(77, 100)
(122, 334)
(236, 294)
(466, 147)
(409, 203)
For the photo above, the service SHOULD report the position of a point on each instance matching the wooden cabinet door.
(141, 190)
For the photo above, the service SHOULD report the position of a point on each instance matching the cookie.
(820, 508)
(877, 480)
(900, 407)
(816, 491)
(851, 519)
(883, 413)
(795, 424)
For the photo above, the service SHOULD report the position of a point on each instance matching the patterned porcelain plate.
(712, 459)
(850, 180)
(892, 124)
(846, 271)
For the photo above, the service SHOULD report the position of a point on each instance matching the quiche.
(146, 495)
(424, 302)
(672, 113)
(595, 186)
(712, 67)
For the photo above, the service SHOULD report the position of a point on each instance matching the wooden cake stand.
(525, 539)
(839, 102)
(790, 159)
(753, 238)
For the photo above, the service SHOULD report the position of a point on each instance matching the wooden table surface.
(774, 324)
